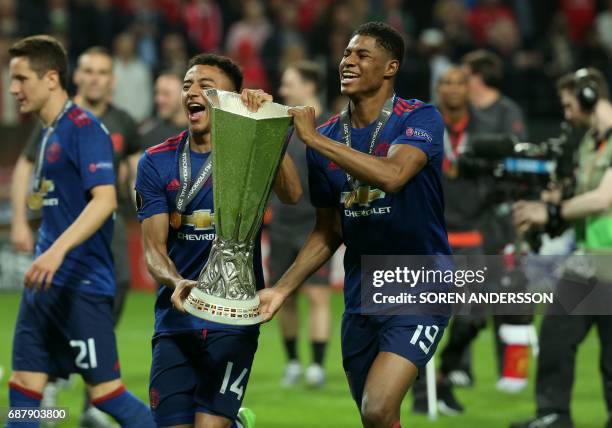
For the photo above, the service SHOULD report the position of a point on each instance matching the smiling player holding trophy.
(200, 367)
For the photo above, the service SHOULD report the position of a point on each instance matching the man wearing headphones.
(584, 96)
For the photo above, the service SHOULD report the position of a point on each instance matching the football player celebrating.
(378, 191)
(200, 369)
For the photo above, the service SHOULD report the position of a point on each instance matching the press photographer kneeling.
(585, 100)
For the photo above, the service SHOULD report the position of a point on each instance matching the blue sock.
(126, 409)
(23, 397)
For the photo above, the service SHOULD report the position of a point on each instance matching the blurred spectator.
(147, 21)
(503, 37)
(486, 14)
(58, 15)
(254, 75)
(204, 24)
(8, 23)
(604, 26)
(171, 11)
(558, 49)
(133, 85)
(593, 52)
(170, 119)
(338, 21)
(451, 17)
(311, 12)
(254, 28)
(432, 47)
(173, 54)
(328, 40)
(9, 113)
(495, 112)
(283, 38)
(392, 12)
(580, 15)
(294, 52)
(523, 10)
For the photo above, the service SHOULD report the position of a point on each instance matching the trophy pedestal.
(216, 309)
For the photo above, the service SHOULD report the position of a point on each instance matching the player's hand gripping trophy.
(247, 149)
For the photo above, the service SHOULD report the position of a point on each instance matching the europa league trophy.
(247, 149)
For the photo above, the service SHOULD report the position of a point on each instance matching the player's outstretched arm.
(388, 173)
(320, 246)
(287, 185)
(159, 264)
(102, 204)
(21, 234)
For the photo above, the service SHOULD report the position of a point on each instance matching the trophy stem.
(227, 277)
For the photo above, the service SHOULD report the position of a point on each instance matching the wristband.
(555, 222)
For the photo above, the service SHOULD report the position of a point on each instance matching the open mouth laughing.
(195, 111)
(348, 76)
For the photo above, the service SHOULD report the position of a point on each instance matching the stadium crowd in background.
(537, 41)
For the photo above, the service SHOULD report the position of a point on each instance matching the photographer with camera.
(585, 99)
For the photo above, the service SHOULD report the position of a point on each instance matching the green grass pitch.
(332, 407)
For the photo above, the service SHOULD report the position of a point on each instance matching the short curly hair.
(386, 36)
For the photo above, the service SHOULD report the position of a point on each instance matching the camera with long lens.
(521, 169)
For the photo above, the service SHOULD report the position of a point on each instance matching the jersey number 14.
(235, 386)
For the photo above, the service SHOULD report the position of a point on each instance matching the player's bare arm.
(320, 246)
(132, 162)
(21, 233)
(102, 204)
(287, 184)
(388, 173)
(159, 264)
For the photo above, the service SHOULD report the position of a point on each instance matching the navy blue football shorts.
(364, 336)
(60, 331)
(200, 371)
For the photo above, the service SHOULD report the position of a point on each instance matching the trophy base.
(215, 309)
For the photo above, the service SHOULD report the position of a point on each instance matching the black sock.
(291, 348)
(318, 352)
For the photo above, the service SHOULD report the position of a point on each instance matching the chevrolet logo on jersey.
(364, 196)
(199, 220)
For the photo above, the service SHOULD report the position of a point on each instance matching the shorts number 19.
(431, 331)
